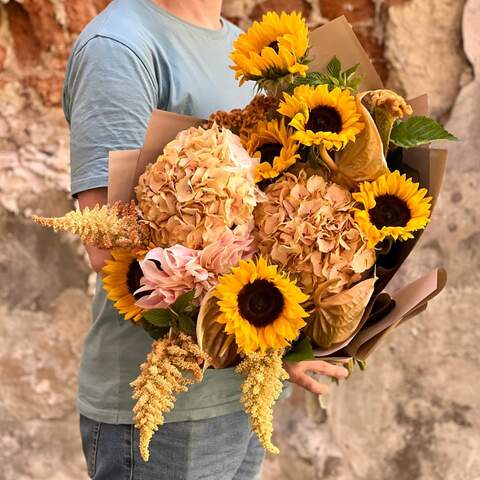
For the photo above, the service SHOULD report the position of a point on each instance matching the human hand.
(298, 373)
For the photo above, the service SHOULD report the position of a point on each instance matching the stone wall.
(413, 415)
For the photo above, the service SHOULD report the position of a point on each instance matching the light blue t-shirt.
(132, 58)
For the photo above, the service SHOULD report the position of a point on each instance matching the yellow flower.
(393, 206)
(272, 48)
(322, 117)
(260, 306)
(272, 143)
(121, 279)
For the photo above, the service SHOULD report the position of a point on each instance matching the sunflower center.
(273, 45)
(324, 119)
(134, 276)
(260, 302)
(389, 211)
(269, 151)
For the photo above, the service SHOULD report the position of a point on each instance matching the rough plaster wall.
(413, 415)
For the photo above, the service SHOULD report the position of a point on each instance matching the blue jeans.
(221, 448)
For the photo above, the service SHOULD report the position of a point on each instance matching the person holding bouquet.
(137, 56)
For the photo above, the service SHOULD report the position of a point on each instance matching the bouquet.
(268, 233)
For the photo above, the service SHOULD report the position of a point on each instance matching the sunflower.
(322, 117)
(393, 206)
(260, 306)
(273, 144)
(273, 48)
(121, 278)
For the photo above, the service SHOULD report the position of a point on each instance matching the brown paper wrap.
(409, 301)
(394, 310)
(337, 38)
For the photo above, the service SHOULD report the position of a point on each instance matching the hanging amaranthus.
(106, 227)
(162, 376)
(262, 386)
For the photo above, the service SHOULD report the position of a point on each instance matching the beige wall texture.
(413, 415)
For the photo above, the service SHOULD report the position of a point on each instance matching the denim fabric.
(220, 448)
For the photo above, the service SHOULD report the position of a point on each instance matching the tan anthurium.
(336, 317)
(364, 159)
(219, 348)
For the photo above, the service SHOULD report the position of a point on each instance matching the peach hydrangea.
(202, 184)
(306, 225)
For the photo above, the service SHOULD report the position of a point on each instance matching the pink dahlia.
(171, 272)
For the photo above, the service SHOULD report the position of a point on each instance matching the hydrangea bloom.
(201, 184)
(307, 226)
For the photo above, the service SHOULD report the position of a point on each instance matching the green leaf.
(362, 364)
(300, 351)
(418, 131)
(310, 78)
(160, 317)
(350, 72)
(334, 67)
(352, 78)
(183, 301)
(333, 77)
(153, 331)
(186, 324)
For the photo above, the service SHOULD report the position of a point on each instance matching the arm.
(108, 98)
(298, 374)
(90, 198)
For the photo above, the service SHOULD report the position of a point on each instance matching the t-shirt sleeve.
(108, 98)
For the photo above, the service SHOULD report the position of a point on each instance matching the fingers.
(325, 368)
(298, 374)
(311, 384)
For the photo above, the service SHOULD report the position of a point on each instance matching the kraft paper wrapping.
(121, 172)
(426, 165)
(337, 38)
(405, 303)
(410, 301)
